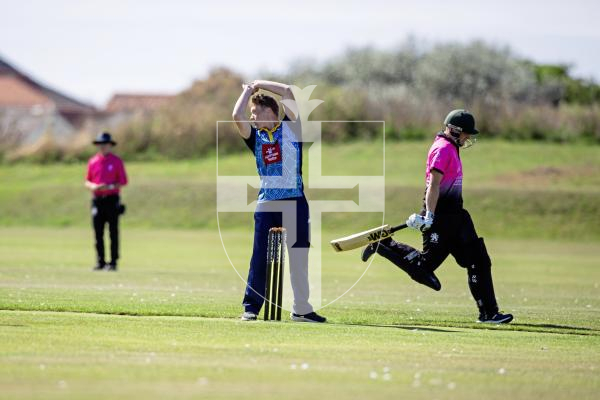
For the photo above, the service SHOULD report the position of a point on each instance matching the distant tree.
(475, 71)
(451, 72)
(576, 91)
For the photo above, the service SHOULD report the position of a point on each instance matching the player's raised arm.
(239, 111)
(281, 89)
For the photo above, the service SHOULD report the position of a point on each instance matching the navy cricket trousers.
(292, 214)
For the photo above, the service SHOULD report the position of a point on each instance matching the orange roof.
(134, 102)
(18, 89)
(14, 92)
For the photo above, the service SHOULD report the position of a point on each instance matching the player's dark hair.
(266, 101)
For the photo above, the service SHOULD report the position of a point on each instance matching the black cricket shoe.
(497, 318)
(428, 279)
(368, 251)
(111, 267)
(99, 267)
(310, 317)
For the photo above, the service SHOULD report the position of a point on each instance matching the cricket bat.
(364, 238)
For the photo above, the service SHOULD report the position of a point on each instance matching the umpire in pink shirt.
(105, 177)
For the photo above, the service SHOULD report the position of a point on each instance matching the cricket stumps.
(275, 266)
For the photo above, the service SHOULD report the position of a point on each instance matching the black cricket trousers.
(450, 234)
(106, 210)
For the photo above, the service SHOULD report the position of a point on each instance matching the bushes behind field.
(411, 88)
(187, 127)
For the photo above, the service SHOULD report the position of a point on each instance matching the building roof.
(124, 102)
(28, 90)
(15, 92)
(5, 67)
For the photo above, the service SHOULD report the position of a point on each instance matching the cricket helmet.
(461, 121)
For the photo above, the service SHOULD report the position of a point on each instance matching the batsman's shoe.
(497, 318)
(111, 267)
(310, 317)
(368, 251)
(248, 316)
(428, 279)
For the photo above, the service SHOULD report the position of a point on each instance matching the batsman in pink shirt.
(446, 226)
(105, 177)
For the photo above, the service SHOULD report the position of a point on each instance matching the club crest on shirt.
(110, 167)
(434, 237)
(271, 153)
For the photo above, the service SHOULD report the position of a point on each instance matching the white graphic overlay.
(232, 194)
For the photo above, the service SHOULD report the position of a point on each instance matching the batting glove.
(419, 222)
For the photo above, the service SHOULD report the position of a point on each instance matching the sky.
(92, 49)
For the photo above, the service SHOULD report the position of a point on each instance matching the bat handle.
(398, 228)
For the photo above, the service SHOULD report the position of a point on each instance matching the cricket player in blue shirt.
(277, 148)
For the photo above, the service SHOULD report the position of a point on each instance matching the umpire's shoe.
(98, 267)
(497, 318)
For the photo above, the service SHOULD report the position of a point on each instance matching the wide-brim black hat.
(103, 138)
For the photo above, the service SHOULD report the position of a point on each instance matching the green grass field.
(520, 190)
(167, 324)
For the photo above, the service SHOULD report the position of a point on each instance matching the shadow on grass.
(405, 327)
(423, 326)
(514, 327)
(533, 328)
(563, 329)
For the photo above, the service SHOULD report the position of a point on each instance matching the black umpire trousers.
(106, 210)
(450, 234)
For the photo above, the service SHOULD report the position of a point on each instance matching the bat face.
(379, 235)
(362, 238)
